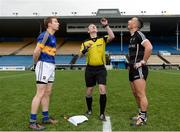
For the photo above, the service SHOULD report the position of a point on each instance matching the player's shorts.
(95, 74)
(139, 73)
(45, 72)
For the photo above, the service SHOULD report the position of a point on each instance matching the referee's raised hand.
(104, 22)
(105, 25)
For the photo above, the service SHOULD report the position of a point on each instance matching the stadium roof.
(31, 25)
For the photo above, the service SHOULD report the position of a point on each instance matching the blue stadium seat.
(63, 59)
(115, 48)
(27, 61)
(81, 60)
(158, 46)
(16, 61)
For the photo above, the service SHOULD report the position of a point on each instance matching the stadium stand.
(115, 48)
(159, 43)
(26, 60)
(9, 48)
(64, 59)
(167, 43)
(60, 42)
(28, 50)
(66, 47)
(16, 61)
(81, 60)
(165, 46)
(154, 59)
(11, 39)
(173, 59)
(69, 47)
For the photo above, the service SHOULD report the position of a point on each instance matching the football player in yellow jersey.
(94, 49)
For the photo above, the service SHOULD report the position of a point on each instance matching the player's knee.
(48, 93)
(134, 93)
(89, 91)
(102, 89)
(103, 92)
(141, 95)
(40, 94)
(88, 94)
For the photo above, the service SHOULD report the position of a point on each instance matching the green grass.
(163, 90)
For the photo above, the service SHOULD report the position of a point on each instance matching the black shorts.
(139, 73)
(95, 74)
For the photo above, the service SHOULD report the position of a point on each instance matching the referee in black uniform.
(140, 49)
(94, 49)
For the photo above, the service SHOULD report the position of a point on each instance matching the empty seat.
(154, 59)
(173, 59)
(70, 47)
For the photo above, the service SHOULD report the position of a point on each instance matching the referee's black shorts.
(95, 74)
(139, 73)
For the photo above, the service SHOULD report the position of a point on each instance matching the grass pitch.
(163, 90)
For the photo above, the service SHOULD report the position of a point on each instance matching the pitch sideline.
(107, 125)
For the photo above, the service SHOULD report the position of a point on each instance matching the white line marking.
(15, 75)
(165, 72)
(107, 125)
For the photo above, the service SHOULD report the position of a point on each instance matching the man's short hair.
(140, 23)
(48, 20)
(91, 24)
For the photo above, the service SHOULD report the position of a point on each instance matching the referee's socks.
(102, 102)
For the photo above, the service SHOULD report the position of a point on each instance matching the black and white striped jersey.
(136, 48)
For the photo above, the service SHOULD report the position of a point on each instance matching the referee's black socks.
(102, 102)
(89, 100)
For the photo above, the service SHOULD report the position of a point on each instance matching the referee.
(140, 50)
(94, 49)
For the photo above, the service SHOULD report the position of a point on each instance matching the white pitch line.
(107, 125)
(15, 75)
(165, 72)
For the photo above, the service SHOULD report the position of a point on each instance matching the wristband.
(85, 50)
(104, 26)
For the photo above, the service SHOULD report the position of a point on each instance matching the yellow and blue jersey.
(47, 42)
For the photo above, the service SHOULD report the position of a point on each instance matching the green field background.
(68, 98)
